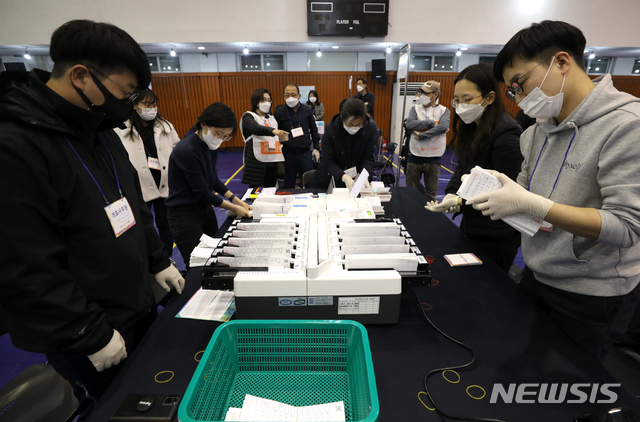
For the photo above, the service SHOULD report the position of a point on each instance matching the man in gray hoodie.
(580, 174)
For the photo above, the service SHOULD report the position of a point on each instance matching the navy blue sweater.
(192, 174)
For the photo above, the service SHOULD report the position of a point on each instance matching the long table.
(479, 306)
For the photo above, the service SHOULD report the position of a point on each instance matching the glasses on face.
(455, 102)
(290, 95)
(515, 88)
(220, 135)
(130, 96)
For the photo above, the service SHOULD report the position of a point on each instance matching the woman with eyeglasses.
(194, 182)
(315, 104)
(263, 159)
(149, 140)
(348, 146)
(485, 135)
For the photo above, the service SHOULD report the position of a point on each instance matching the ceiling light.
(319, 53)
(389, 50)
(27, 55)
(246, 50)
(169, 67)
(592, 55)
(464, 48)
(335, 47)
(201, 48)
(458, 53)
(173, 53)
(268, 64)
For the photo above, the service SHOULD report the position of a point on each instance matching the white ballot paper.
(256, 409)
(359, 183)
(211, 305)
(480, 182)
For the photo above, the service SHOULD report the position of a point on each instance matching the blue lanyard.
(561, 167)
(94, 179)
(153, 141)
(298, 113)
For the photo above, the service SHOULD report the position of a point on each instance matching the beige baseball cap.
(431, 86)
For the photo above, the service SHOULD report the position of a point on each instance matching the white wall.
(297, 62)
(330, 61)
(612, 24)
(227, 62)
(623, 66)
(466, 60)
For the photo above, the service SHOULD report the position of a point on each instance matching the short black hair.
(101, 45)
(364, 81)
(217, 115)
(291, 84)
(258, 96)
(539, 42)
(352, 109)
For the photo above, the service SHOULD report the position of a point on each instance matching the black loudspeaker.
(379, 70)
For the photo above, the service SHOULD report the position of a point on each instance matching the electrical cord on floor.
(451, 368)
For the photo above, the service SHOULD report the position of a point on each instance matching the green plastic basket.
(299, 362)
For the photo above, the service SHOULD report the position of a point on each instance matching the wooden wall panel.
(183, 97)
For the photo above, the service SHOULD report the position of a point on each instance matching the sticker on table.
(359, 305)
(320, 300)
(292, 301)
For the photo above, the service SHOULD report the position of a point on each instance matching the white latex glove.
(111, 354)
(316, 155)
(450, 204)
(510, 199)
(348, 181)
(171, 275)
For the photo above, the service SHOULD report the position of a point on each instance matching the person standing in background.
(316, 105)
(149, 140)
(429, 123)
(263, 159)
(367, 97)
(297, 120)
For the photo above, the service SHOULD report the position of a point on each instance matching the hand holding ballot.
(509, 200)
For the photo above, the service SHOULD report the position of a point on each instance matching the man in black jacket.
(78, 240)
(297, 120)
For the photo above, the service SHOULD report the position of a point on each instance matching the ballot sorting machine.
(316, 258)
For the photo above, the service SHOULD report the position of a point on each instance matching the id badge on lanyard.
(120, 216)
(154, 163)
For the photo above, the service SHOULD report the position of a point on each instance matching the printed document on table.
(210, 305)
(479, 182)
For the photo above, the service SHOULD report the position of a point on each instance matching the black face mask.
(116, 111)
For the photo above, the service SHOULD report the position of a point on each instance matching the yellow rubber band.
(422, 392)
(164, 372)
(194, 356)
(452, 382)
(484, 393)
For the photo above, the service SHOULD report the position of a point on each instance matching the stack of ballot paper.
(379, 190)
(479, 182)
(256, 409)
(374, 200)
(201, 254)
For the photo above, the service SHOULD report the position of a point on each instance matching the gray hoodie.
(601, 171)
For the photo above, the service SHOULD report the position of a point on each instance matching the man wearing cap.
(428, 123)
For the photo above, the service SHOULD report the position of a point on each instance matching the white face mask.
(292, 101)
(212, 142)
(265, 106)
(352, 130)
(148, 114)
(424, 99)
(312, 99)
(539, 105)
(469, 113)
(360, 88)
